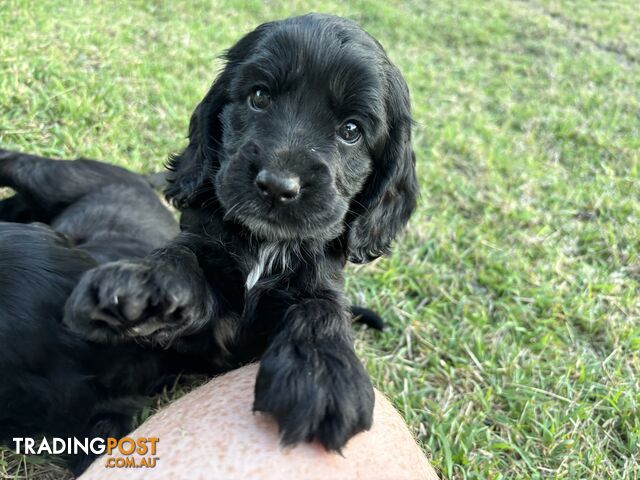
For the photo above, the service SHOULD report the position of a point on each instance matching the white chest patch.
(270, 256)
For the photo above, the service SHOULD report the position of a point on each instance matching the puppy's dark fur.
(53, 380)
(251, 275)
(257, 269)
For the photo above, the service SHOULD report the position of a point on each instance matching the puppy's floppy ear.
(190, 178)
(190, 172)
(390, 195)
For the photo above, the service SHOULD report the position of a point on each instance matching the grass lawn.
(513, 300)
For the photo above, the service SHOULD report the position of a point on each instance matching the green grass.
(513, 302)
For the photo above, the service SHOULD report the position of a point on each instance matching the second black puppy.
(55, 382)
(299, 159)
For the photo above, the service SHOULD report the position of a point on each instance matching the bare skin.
(212, 434)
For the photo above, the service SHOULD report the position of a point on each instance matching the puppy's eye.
(349, 131)
(259, 99)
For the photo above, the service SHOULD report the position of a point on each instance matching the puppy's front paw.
(133, 299)
(316, 391)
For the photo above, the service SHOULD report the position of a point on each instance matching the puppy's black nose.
(282, 188)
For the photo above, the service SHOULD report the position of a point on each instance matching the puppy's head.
(305, 134)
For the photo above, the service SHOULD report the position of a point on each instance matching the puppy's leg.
(153, 300)
(310, 378)
(16, 209)
(48, 186)
(111, 419)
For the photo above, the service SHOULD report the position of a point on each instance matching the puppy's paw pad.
(126, 299)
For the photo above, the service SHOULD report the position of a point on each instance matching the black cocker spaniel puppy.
(54, 381)
(299, 160)
(272, 274)
(67, 217)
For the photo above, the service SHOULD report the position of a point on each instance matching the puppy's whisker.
(231, 211)
(367, 210)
